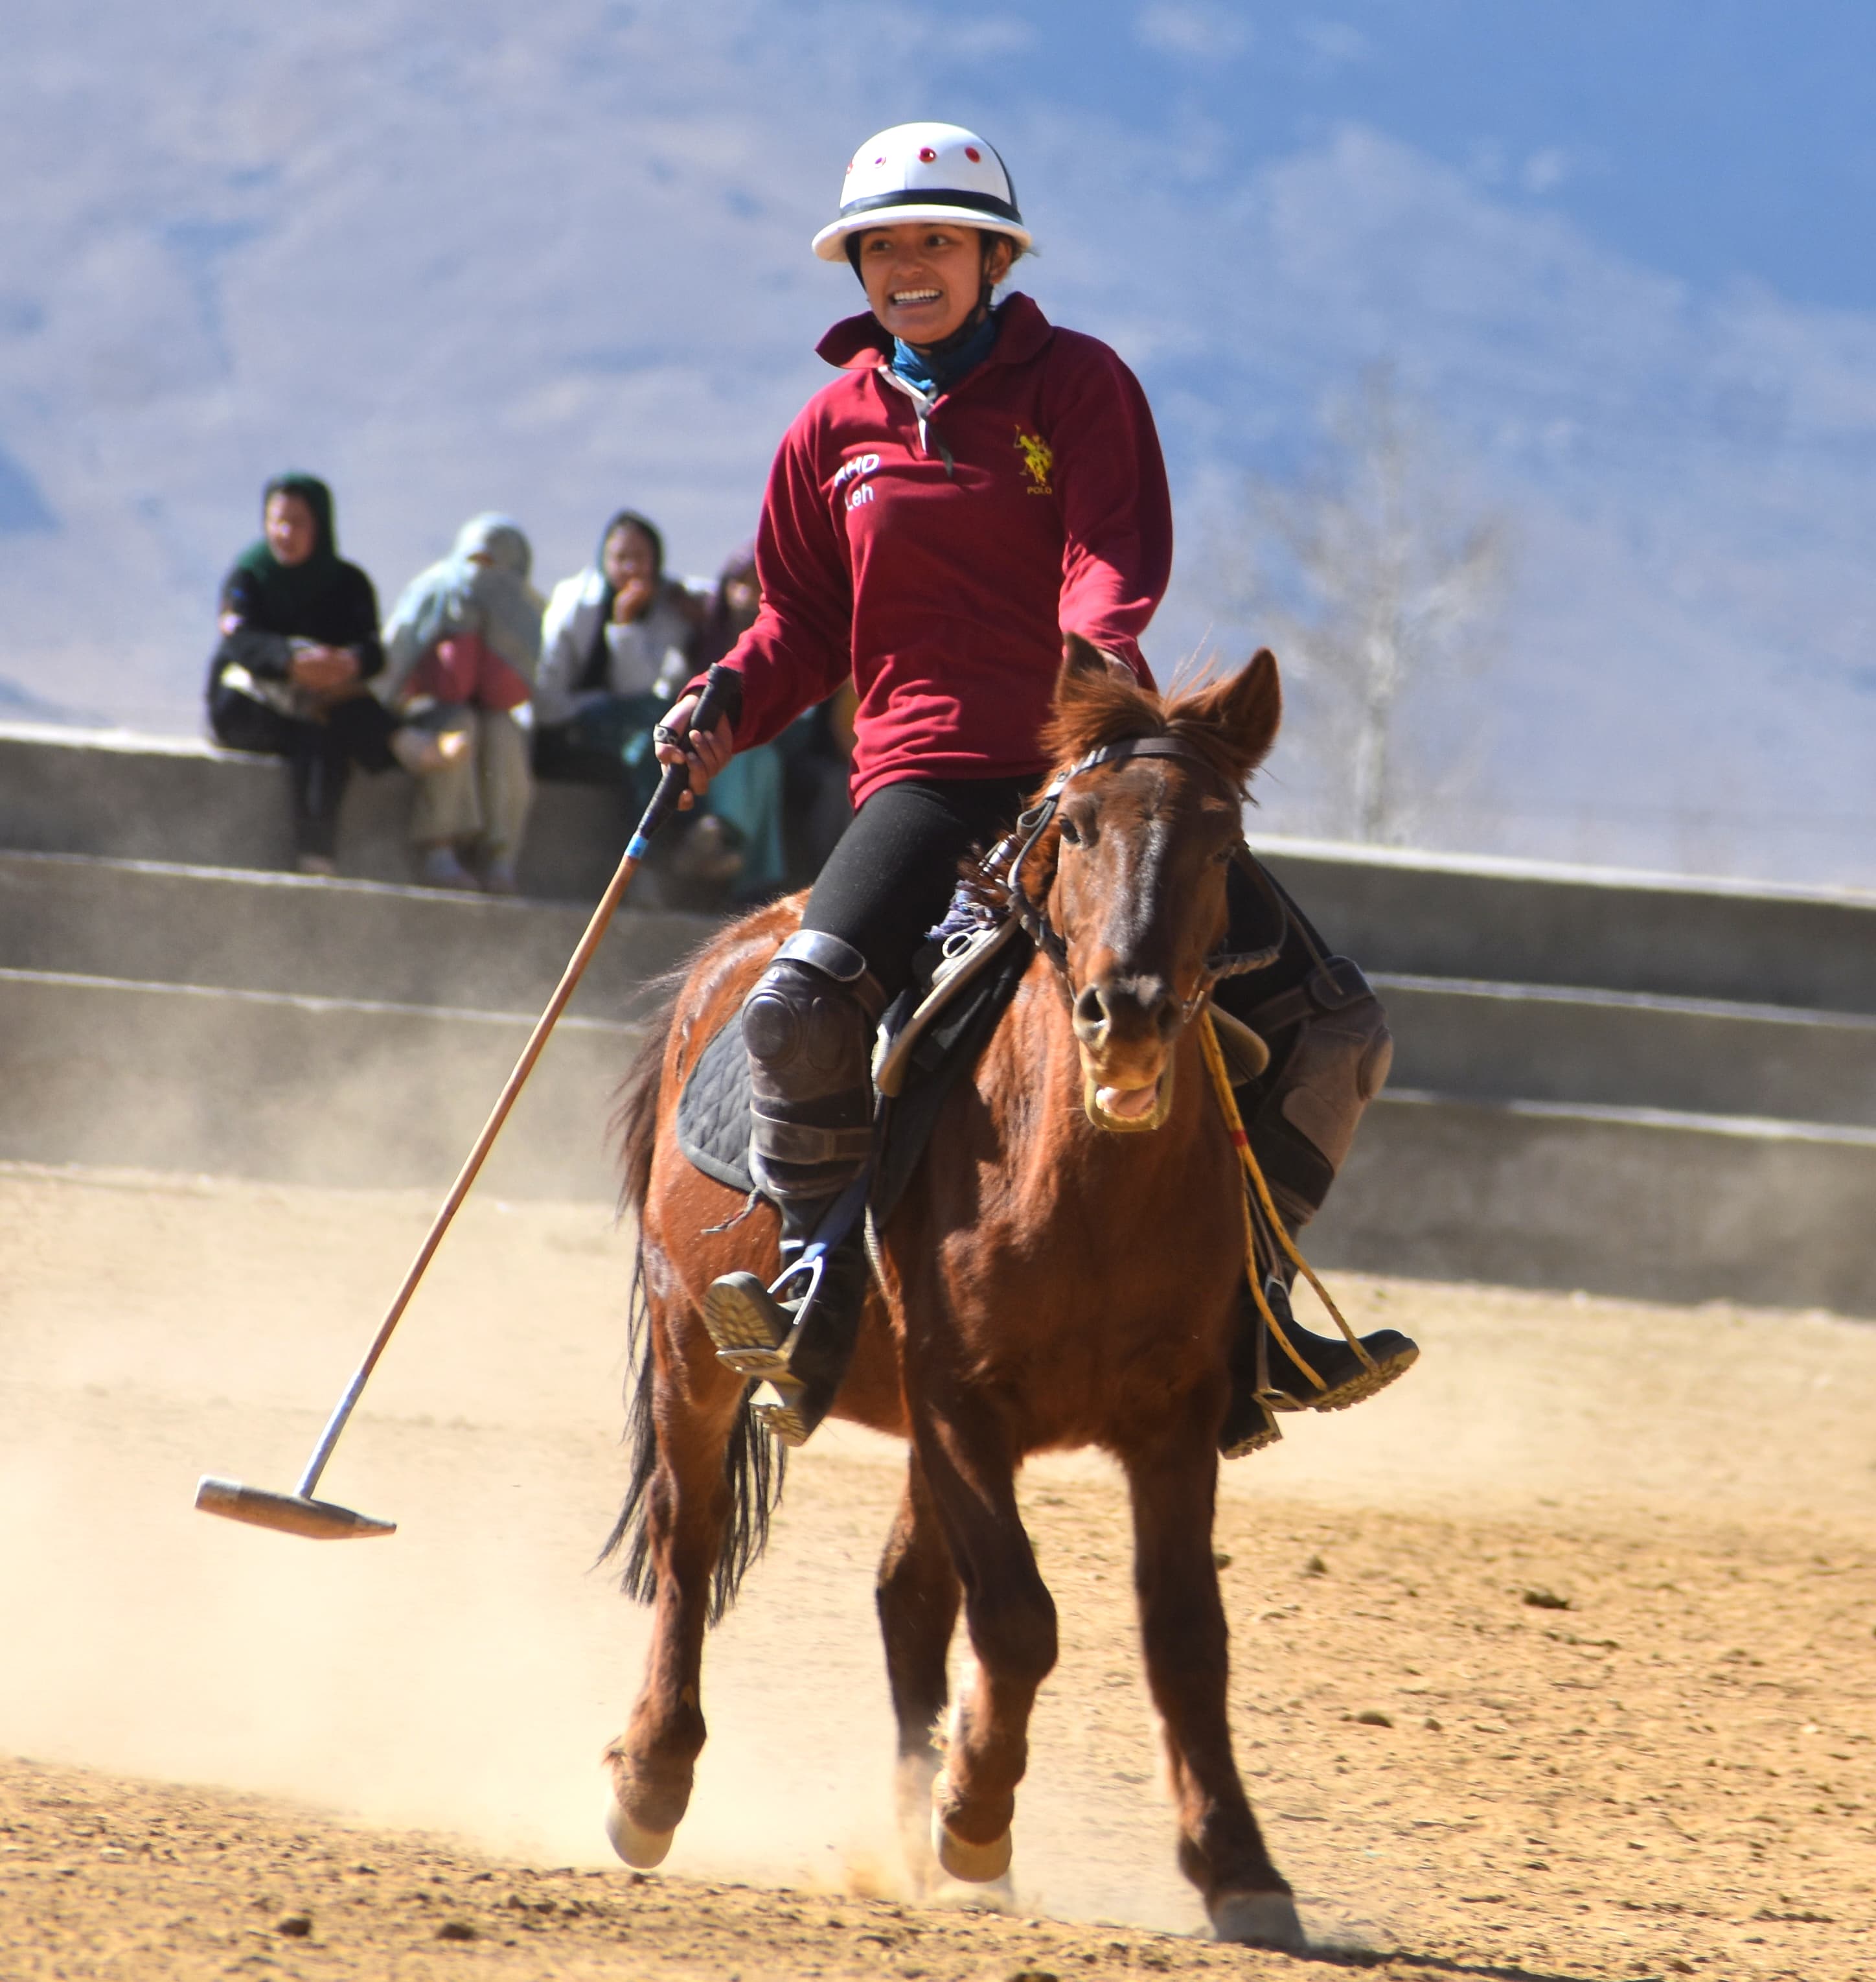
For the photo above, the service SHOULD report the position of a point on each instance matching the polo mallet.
(298, 1513)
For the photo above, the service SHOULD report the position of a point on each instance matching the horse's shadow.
(1331, 1954)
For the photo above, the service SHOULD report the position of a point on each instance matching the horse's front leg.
(1011, 1617)
(918, 1595)
(693, 1406)
(1187, 1658)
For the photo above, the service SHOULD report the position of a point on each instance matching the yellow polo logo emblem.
(1038, 459)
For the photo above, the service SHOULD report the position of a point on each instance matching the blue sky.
(458, 257)
(1716, 140)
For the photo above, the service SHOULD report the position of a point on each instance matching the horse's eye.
(1070, 833)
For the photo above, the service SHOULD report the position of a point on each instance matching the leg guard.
(809, 1025)
(1301, 1118)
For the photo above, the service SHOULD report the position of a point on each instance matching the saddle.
(932, 1032)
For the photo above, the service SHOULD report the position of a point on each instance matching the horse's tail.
(753, 1468)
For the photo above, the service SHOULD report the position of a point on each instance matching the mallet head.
(291, 1513)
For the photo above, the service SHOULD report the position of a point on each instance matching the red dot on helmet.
(974, 154)
(928, 156)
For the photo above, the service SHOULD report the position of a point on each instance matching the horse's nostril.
(1167, 1018)
(1091, 1010)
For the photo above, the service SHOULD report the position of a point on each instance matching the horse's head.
(1143, 831)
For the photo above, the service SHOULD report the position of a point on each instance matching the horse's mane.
(1094, 706)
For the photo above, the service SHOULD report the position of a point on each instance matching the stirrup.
(751, 1324)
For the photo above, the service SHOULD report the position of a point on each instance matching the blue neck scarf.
(938, 367)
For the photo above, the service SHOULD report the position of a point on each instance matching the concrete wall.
(1628, 1083)
(178, 800)
(1535, 922)
(304, 1090)
(166, 923)
(1615, 1201)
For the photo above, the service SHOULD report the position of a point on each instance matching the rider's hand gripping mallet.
(298, 1513)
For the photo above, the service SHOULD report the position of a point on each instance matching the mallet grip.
(720, 688)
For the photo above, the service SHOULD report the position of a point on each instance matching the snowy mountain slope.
(454, 260)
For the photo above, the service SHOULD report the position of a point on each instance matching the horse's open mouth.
(1128, 1110)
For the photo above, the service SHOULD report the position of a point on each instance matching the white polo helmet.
(923, 171)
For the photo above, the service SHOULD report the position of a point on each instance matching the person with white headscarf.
(463, 645)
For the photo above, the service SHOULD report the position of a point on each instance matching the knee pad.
(808, 1026)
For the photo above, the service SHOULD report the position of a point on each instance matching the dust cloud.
(464, 1675)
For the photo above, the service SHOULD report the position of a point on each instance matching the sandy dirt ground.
(1558, 1661)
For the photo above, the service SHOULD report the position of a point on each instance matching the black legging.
(319, 756)
(890, 877)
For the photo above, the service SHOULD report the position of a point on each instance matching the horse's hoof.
(1259, 1919)
(640, 1848)
(975, 1864)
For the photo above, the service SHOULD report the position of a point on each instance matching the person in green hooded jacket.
(299, 646)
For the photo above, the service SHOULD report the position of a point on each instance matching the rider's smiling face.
(923, 278)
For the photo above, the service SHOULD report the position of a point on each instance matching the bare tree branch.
(1379, 586)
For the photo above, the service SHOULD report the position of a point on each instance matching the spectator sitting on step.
(463, 641)
(299, 646)
(617, 641)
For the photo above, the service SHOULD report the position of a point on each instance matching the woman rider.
(974, 485)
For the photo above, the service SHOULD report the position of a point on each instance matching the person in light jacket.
(463, 645)
(618, 639)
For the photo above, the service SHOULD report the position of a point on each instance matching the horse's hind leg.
(695, 1404)
(1187, 1658)
(918, 1596)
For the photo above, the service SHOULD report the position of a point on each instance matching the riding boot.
(808, 1026)
(1346, 1378)
(1331, 1050)
(799, 1347)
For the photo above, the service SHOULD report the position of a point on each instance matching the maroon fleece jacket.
(941, 568)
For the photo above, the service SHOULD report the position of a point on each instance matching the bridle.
(1034, 914)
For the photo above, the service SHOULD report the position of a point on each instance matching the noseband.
(1034, 914)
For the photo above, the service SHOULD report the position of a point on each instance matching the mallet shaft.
(671, 788)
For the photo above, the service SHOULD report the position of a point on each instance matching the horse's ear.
(1094, 702)
(1244, 712)
(1081, 657)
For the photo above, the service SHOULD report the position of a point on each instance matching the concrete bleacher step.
(1526, 922)
(165, 923)
(1629, 1083)
(160, 923)
(297, 1089)
(180, 800)
(1642, 1202)
(1484, 1042)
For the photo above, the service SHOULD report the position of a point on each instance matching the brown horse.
(1049, 1281)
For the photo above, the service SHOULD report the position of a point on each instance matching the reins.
(1241, 1141)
